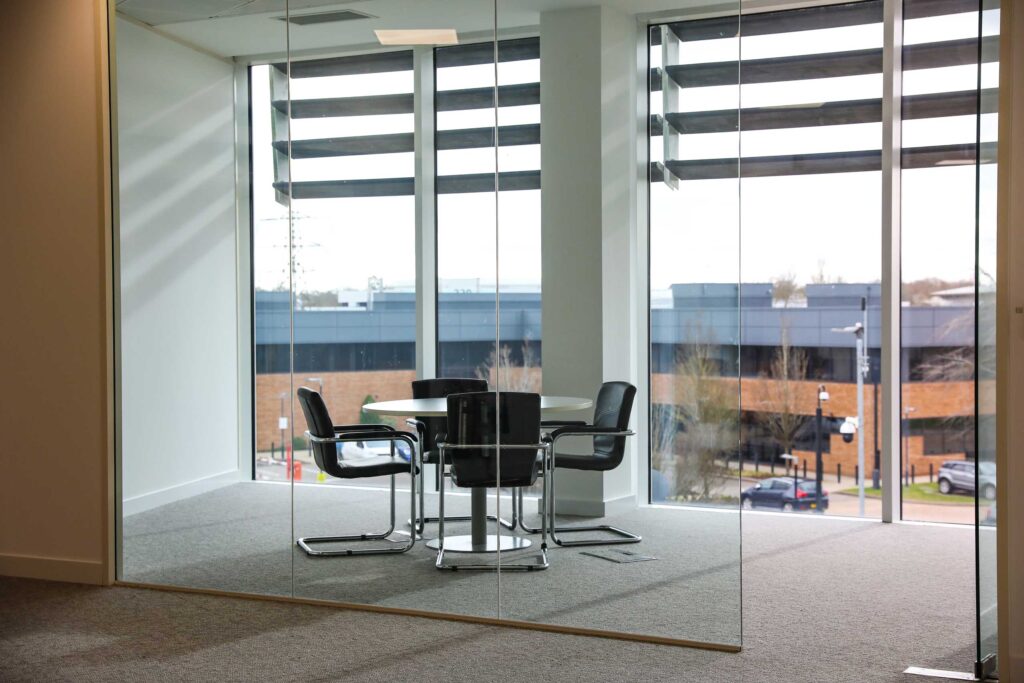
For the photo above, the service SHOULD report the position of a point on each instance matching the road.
(840, 504)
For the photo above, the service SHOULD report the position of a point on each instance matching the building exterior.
(366, 348)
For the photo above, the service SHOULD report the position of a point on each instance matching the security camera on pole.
(858, 330)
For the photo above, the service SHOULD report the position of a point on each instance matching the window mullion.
(426, 224)
(892, 79)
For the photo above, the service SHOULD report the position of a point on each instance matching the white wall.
(588, 254)
(179, 338)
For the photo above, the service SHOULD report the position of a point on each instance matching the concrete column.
(588, 147)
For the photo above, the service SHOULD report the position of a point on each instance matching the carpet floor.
(822, 599)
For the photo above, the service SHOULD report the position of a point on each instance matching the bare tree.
(500, 369)
(785, 289)
(706, 408)
(823, 278)
(780, 417)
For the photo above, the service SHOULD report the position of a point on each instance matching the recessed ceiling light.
(418, 36)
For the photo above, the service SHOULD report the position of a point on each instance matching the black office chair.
(472, 444)
(610, 428)
(428, 428)
(324, 436)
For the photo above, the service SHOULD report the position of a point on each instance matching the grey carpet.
(238, 538)
(823, 600)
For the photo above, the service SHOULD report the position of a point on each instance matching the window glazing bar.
(426, 223)
(892, 88)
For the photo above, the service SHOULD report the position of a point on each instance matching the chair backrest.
(612, 409)
(318, 422)
(473, 419)
(440, 388)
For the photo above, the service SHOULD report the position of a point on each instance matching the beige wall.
(1010, 345)
(54, 265)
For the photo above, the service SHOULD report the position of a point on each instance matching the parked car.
(960, 475)
(356, 450)
(779, 493)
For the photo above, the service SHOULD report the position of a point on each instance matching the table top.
(438, 407)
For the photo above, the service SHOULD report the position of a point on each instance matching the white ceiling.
(253, 27)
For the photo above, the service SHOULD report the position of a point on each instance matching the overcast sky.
(756, 229)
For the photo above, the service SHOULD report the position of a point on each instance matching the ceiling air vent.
(326, 17)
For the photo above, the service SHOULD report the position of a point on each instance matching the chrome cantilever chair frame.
(422, 521)
(548, 504)
(543, 554)
(376, 434)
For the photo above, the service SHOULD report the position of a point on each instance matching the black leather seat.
(324, 437)
(609, 430)
(429, 427)
(492, 440)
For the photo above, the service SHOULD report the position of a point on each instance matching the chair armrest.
(371, 435)
(363, 428)
(587, 430)
(562, 423)
(418, 424)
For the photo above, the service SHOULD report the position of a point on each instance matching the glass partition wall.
(321, 204)
(344, 198)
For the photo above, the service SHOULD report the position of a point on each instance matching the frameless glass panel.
(985, 424)
(811, 146)
(645, 569)
(940, 198)
(196, 508)
(948, 271)
(362, 160)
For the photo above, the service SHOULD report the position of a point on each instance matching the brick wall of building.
(344, 393)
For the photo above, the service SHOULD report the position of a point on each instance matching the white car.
(359, 450)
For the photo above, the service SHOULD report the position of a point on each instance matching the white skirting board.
(154, 499)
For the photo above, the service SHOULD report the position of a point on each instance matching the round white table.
(438, 407)
(478, 541)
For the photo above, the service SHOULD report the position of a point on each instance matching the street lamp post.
(822, 396)
(282, 424)
(906, 442)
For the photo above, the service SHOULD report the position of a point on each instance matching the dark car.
(779, 493)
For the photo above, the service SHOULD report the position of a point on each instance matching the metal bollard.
(931, 472)
(805, 469)
(839, 473)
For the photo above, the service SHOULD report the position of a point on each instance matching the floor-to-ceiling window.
(949, 107)
(803, 181)
(797, 324)
(351, 187)
(467, 267)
